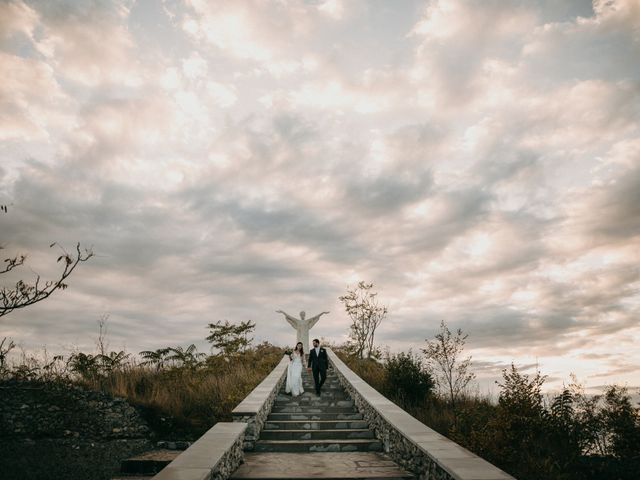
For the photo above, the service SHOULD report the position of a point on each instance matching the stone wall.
(215, 455)
(35, 410)
(410, 443)
(255, 409)
(230, 461)
(50, 430)
(255, 421)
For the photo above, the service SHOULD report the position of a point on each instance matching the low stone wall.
(255, 408)
(409, 442)
(215, 455)
(59, 430)
(35, 410)
(220, 451)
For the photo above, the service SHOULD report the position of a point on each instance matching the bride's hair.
(301, 348)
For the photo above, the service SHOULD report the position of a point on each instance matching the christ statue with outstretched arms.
(302, 326)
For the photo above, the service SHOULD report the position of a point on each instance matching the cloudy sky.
(478, 161)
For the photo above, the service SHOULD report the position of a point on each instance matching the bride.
(294, 371)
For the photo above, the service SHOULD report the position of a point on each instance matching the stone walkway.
(317, 437)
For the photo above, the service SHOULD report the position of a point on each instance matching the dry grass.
(433, 411)
(185, 403)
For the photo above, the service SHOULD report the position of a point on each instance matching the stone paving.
(317, 437)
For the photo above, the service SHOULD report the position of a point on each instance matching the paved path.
(317, 437)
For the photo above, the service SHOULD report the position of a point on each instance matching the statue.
(302, 326)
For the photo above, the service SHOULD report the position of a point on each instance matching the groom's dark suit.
(318, 364)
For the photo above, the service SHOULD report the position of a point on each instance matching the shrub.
(406, 379)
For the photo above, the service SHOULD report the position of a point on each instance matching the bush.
(406, 379)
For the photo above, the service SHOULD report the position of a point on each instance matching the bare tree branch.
(361, 304)
(24, 294)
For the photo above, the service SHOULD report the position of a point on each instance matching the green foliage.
(114, 361)
(230, 338)
(407, 379)
(87, 366)
(519, 395)
(188, 357)
(572, 437)
(521, 442)
(443, 355)
(622, 422)
(94, 367)
(157, 358)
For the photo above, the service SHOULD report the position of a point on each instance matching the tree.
(520, 395)
(25, 294)
(155, 357)
(622, 421)
(522, 437)
(361, 304)
(187, 358)
(407, 379)
(230, 338)
(443, 356)
(85, 365)
(114, 361)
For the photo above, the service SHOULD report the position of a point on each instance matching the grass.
(184, 403)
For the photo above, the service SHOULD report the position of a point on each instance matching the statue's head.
(302, 315)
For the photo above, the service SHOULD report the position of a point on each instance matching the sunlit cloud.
(480, 166)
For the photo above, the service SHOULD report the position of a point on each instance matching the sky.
(478, 161)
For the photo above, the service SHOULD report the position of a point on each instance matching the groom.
(318, 363)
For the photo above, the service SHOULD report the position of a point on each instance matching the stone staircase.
(312, 436)
(308, 423)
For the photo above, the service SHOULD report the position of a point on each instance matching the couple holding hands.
(317, 364)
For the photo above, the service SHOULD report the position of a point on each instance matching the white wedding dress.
(294, 375)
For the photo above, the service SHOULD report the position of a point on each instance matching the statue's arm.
(292, 321)
(314, 320)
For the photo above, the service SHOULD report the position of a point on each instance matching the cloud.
(32, 103)
(479, 165)
(72, 41)
(248, 30)
(16, 18)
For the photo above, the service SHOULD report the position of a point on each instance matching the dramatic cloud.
(479, 165)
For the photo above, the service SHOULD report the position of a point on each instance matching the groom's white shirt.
(317, 349)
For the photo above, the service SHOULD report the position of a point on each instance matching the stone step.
(304, 466)
(279, 416)
(326, 385)
(311, 391)
(311, 396)
(133, 477)
(332, 445)
(310, 409)
(308, 377)
(327, 382)
(314, 403)
(344, 434)
(314, 425)
(148, 463)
